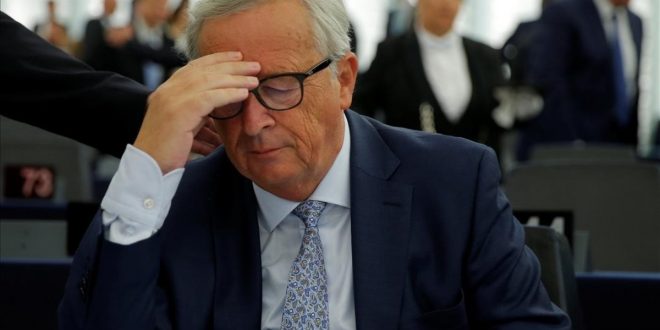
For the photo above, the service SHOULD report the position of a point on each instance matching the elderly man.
(311, 216)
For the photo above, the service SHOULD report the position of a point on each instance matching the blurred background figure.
(588, 72)
(102, 40)
(517, 50)
(150, 56)
(521, 101)
(400, 16)
(52, 30)
(143, 49)
(433, 79)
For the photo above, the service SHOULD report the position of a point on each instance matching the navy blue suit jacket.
(435, 245)
(573, 69)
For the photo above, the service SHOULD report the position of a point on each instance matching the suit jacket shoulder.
(427, 221)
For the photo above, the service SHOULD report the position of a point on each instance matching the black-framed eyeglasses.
(279, 92)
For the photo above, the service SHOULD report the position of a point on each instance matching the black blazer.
(47, 88)
(397, 85)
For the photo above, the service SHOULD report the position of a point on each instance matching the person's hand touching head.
(285, 152)
(178, 110)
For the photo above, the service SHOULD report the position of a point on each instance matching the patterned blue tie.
(306, 299)
(621, 108)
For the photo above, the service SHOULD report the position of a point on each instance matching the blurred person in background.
(518, 50)
(400, 16)
(521, 101)
(102, 40)
(150, 56)
(52, 30)
(433, 79)
(587, 71)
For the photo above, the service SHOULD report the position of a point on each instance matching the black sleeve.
(47, 88)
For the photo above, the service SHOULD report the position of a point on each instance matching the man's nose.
(256, 117)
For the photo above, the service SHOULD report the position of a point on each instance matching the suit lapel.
(237, 300)
(380, 221)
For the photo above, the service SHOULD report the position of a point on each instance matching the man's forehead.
(271, 27)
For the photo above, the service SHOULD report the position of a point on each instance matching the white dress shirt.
(446, 68)
(138, 200)
(626, 42)
(281, 232)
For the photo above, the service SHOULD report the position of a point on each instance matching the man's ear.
(347, 69)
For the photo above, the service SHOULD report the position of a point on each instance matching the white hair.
(328, 17)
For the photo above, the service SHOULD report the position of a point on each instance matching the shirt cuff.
(138, 198)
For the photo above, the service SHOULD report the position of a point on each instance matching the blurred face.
(437, 16)
(285, 152)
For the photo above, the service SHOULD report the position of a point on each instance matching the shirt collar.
(432, 41)
(333, 189)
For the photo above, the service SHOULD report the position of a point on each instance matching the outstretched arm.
(48, 88)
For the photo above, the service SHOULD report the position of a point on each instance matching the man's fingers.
(241, 68)
(209, 80)
(222, 75)
(217, 58)
(231, 62)
(217, 98)
(238, 68)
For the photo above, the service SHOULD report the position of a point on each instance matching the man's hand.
(178, 110)
(207, 139)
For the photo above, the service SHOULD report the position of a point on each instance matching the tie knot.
(309, 212)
